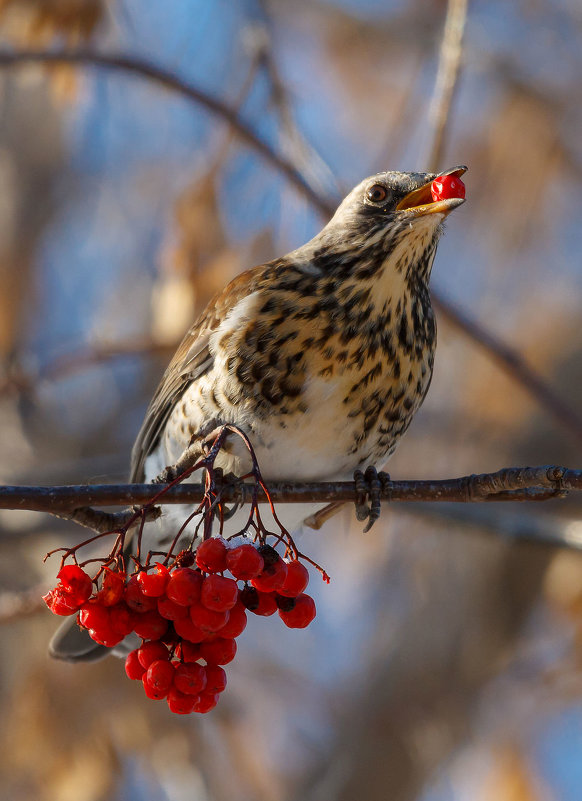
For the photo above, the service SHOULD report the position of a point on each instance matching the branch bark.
(508, 484)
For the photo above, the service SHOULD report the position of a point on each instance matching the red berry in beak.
(447, 187)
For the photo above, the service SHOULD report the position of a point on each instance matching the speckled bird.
(322, 356)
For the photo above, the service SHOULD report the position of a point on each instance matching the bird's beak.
(419, 202)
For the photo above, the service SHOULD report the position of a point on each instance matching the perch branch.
(509, 484)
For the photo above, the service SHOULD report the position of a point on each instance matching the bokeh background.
(445, 663)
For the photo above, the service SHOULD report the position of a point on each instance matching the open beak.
(419, 202)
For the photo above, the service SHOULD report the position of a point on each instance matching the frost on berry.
(245, 562)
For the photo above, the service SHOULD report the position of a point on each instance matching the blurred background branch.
(502, 353)
(441, 665)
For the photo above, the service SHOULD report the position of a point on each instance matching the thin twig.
(450, 55)
(503, 353)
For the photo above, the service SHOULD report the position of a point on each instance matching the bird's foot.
(187, 460)
(369, 488)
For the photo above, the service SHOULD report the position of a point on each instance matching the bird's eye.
(377, 193)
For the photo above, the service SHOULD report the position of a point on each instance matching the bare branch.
(446, 81)
(167, 79)
(503, 354)
(512, 362)
(509, 484)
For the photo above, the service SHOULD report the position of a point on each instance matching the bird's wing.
(192, 360)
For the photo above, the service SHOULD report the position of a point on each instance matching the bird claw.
(369, 488)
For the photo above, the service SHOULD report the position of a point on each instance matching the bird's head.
(390, 220)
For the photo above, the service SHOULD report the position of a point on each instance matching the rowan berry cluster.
(187, 614)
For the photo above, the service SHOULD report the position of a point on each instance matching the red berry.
(211, 555)
(150, 625)
(215, 679)
(244, 562)
(284, 602)
(75, 581)
(188, 651)
(150, 691)
(133, 667)
(93, 615)
(180, 703)
(302, 613)
(105, 635)
(218, 652)
(188, 631)
(219, 593)
(296, 581)
(160, 675)
(237, 622)
(272, 578)
(154, 584)
(60, 602)
(112, 587)
(122, 619)
(446, 187)
(170, 609)
(190, 679)
(135, 598)
(267, 604)
(208, 620)
(184, 586)
(205, 702)
(151, 652)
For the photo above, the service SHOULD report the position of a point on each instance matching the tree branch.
(450, 55)
(138, 66)
(502, 353)
(509, 484)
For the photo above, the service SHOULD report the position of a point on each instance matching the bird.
(321, 357)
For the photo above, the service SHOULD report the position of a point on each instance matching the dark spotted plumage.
(322, 356)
